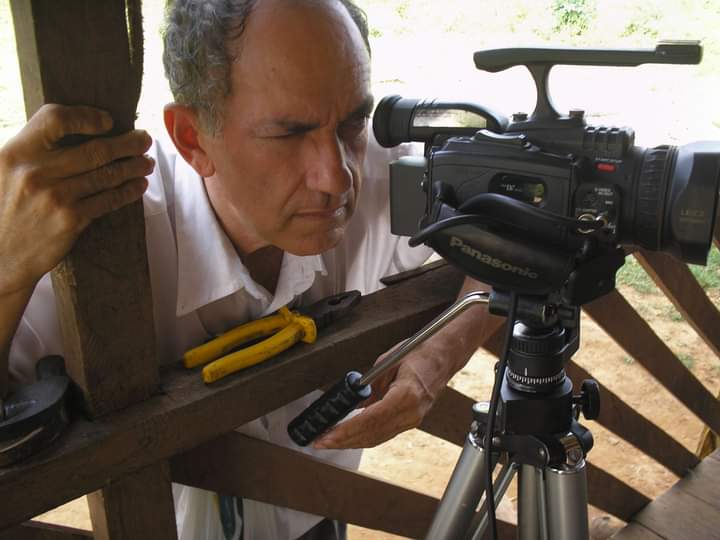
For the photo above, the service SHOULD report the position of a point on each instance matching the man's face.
(287, 163)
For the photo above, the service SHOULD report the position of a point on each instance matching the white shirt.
(201, 288)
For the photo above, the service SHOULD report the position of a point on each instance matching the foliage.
(644, 21)
(573, 16)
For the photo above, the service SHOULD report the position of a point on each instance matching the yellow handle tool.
(290, 327)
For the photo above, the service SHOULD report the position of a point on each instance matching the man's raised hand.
(50, 193)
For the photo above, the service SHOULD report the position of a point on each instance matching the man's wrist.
(16, 288)
(12, 307)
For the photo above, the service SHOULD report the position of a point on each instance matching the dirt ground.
(423, 463)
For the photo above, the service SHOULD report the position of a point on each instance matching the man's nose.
(328, 168)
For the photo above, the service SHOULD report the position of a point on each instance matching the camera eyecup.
(389, 126)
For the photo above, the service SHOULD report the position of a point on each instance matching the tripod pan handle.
(328, 409)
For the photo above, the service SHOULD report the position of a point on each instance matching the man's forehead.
(297, 56)
(274, 15)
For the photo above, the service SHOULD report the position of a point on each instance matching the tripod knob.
(589, 399)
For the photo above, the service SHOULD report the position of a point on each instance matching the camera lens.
(676, 200)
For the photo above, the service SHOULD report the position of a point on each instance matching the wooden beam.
(137, 505)
(629, 330)
(188, 412)
(702, 481)
(253, 469)
(635, 531)
(450, 417)
(240, 465)
(37, 530)
(690, 509)
(678, 283)
(72, 53)
(631, 426)
(612, 495)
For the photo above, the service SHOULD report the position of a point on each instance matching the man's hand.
(400, 400)
(49, 193)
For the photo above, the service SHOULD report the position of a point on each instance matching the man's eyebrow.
(294, 126)
(298, 126)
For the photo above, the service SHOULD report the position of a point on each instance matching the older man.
(270, 196)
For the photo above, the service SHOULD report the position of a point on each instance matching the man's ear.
(183, 126)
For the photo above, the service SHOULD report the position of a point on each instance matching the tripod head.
(536, 409)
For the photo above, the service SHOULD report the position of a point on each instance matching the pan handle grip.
(328, 409)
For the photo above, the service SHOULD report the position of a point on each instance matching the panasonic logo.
(484, 258)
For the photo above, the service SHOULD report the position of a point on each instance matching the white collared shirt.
(201, 289)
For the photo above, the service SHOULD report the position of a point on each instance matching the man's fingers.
(54, 122)
(99, 152)
(103, 203)
(374, 425)
(108, 177)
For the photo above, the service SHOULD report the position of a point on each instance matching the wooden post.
(90, 52)
(80, 52)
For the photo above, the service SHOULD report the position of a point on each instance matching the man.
(271, 201)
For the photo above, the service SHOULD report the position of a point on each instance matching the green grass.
(633, 275)
(672, 314)
(708, 276)
(687, 359)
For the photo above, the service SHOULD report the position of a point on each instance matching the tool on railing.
(344, 396)
(285, 328)
(34, 415)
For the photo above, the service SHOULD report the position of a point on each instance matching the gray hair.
(196, 57)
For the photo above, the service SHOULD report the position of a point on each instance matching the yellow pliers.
(285, 328)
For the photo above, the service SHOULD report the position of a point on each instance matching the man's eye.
(354, 126)
(287, 135)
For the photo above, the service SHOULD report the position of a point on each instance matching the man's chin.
(316, 244)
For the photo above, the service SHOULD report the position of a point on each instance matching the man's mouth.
(338, 212)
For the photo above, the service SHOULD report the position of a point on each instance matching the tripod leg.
(481, 519)
(461, 496)
(567, 502)
(532, 524)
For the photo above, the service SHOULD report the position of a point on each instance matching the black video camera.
(544, 204)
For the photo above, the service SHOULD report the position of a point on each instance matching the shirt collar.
(209, 268)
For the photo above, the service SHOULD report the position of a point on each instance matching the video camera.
(545, 203)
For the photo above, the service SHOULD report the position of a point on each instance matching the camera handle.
(345, 395)
(540, 60)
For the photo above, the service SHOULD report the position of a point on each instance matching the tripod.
(531, 423)
(536, 434)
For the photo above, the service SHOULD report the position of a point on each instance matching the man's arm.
(401, 399)
(49, 194)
